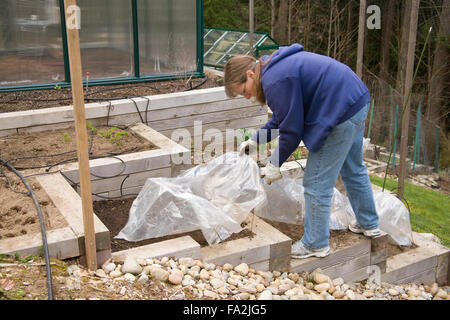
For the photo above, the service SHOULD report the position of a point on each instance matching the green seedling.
(297, 154)
(114, 135)
(91, 127)
(57, 87)
(65, 137)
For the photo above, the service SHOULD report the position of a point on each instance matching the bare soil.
(18, 214)
(39, 99)
(114, 215)
(48, 148)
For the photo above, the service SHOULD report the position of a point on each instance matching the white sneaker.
(299, 251)
(356, 228)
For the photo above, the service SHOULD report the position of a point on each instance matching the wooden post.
(407, 88)
(73, 41)
(251, 20)
(361, 32)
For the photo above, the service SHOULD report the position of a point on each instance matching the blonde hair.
(235, 74)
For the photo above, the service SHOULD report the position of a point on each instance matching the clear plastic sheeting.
(215, 197)
(393, 218)
(286, 203)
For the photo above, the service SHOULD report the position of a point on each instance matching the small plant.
(244, 135)
(91, 127)
(57, 87)
(114, 135)
(297, 154)
(65, 137)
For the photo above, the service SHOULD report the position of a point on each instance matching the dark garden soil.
(18, 214)
(114, 215)
(48, 148)
(39, 99)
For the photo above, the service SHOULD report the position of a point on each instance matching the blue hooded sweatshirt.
(309, 94)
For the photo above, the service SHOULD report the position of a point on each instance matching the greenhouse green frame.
(259, 48)
(137, 77)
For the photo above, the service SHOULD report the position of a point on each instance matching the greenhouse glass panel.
(106, 38)
(30, 42)
(222, 44)
(167, 36)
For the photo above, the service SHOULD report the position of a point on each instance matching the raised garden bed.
(18, 214)
(46, 149)
(21, 231)
(114, 214)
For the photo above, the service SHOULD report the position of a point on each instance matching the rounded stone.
(160, 274)
(227, 267)
(175, 276)
(129, 277)
(130, 265)
(115, 274)
(320, 278)
(204, 274)
(242, 269)
(323, 287)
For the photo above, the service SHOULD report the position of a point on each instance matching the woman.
(323, 102)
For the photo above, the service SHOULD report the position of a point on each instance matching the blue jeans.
(341, 153)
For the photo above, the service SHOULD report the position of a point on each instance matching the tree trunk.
(386, 39)
(281, 23)
(438, 98)
(272, 20)
(403, 51)
(361, 33)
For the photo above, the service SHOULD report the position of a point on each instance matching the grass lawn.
(430, 210)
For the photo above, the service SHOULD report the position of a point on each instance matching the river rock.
(210, 294)
(130, 265)
(115, 274)
(413, 293)
(350, 294)
(204, 274)
(227, 267)
(188, 262)
(242, 269)
(216, 283)
(176, 276)
(301, 297)
(160, 274)
(109, 267)
(338, 282)
(143, 278)
(441, 294)
(265, 295)
(129, 277)
(323, 287)
(320, 278)
(434, 288)
(393, 292)
(100, 273)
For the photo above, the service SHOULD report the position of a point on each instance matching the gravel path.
(193, 279)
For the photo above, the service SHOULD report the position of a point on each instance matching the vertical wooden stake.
(251, 20)
(361, 33)
(407, 88)
(73, 41)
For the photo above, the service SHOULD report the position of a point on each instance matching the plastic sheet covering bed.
(286, 203)
(215, 197)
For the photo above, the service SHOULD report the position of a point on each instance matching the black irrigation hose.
(41, 219)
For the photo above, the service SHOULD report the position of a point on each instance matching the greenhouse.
(121, 41)
(222, 44)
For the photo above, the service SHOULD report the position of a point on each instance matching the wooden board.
(268, 246)
(335, 258)
(178, 247)
(201, 97)
(62, 244)
(68, 202)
